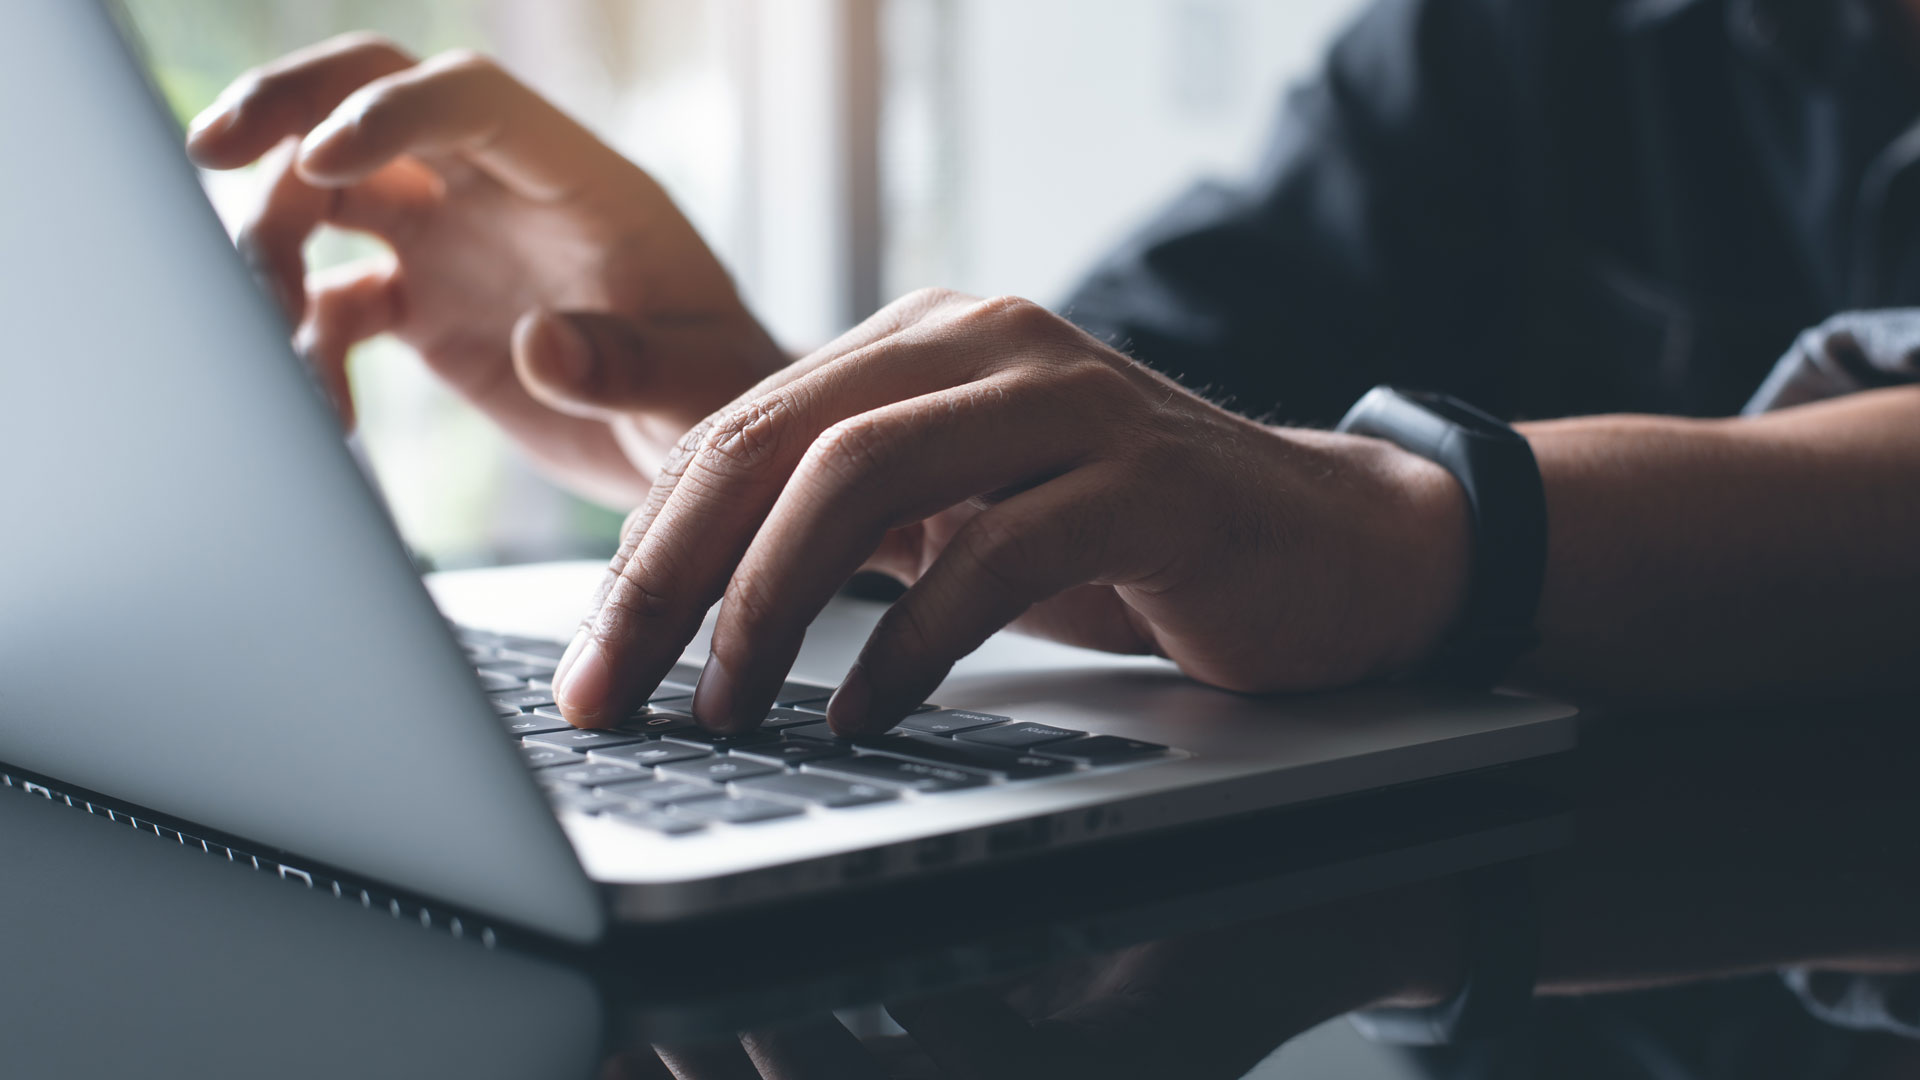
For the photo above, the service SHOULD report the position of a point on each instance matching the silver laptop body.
(205, 611)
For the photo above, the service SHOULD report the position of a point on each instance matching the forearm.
(1724, 558)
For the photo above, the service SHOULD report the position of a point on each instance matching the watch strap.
(1507, 506)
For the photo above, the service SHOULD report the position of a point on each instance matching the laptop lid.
(203, 609)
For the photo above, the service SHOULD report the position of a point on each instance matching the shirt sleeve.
(1854, 351)
(1369, 245)
(1888, 1003)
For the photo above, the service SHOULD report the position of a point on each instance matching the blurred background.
(835, 153)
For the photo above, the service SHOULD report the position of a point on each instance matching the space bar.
(1013, 766)
(898, 773)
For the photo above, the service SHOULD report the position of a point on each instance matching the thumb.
(588, 364)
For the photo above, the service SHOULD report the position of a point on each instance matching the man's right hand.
(548, 280)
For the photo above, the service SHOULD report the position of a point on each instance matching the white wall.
(1078, 117)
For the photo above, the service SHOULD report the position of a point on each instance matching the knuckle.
(373, 43)
(930, 298)
(633, 518)
(852, 449)
(748, 604)
(746, 438)
(637, 600)
(467, 63)
(1001, 548)
(1091, 378)
(904, 631)
(1014, 314)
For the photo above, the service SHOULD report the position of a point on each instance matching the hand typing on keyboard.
(547, 279)
(1010, 468)
(1015, 471)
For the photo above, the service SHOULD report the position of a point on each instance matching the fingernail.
(212, 120)
(567, 658)
(583, 694)
(849, 709)
(329, 128)
(570, 356)
(713, 696)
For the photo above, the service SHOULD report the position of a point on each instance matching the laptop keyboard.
(662, 771)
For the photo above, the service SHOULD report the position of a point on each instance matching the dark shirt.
(1547, 207)
(1553, 207)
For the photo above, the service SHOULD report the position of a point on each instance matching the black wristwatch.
(1508, 508)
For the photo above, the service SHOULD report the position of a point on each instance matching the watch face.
(1458, 412)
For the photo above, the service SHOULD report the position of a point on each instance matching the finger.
(463, 104)
(1064, 533)
(822, 1049)
(288, 97)
(723, 479)
(604, 367)
(345, 307)
(862, 478)
(629, 539)
(883, 324)
(273, 238)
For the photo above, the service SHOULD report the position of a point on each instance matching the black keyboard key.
(582, 801)
(659, 722)
(818, 731)
(547, 757)
(659, 792)
(671, 702)
(950, 721)
(660, 821)
(793, 693)
(786, 718)
(591, 774)
(643, 755)
(1101, 750)
(581, 739)
(532, 649)
(524, 699)
(1011, 764)
(541, 673)
(898, 772)
(534, 723)
(719, 770)
(741, 811)
(818, 790)
(1018, 736)
(500, 709)
(791, 752)
(715, 741)
(499, 680)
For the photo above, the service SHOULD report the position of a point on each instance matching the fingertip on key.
(849, 711)
(713, 698)
(582, 689)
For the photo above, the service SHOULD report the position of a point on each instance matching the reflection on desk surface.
(135, 955)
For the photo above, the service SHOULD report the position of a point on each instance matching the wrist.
(1417, 546)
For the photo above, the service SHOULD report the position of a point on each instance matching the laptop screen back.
(202, 608)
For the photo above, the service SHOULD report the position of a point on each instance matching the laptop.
(208, 617)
